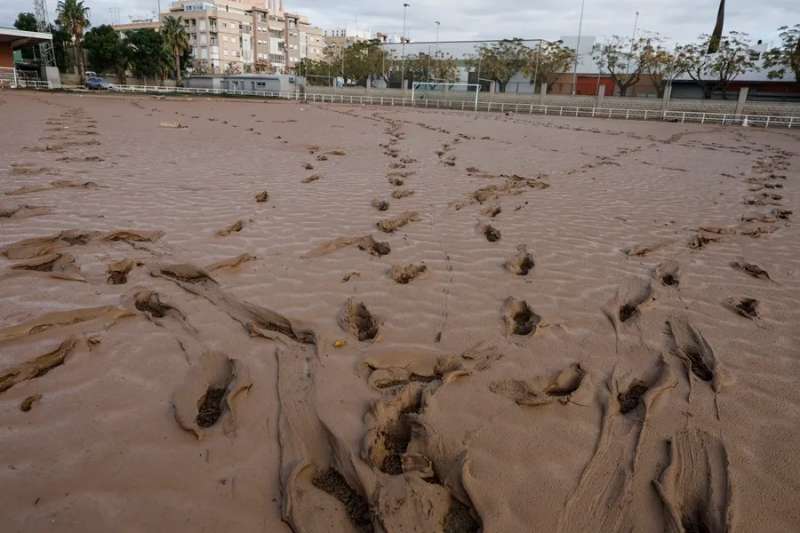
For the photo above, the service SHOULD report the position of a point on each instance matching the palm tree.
(176, 40)
(73, 17)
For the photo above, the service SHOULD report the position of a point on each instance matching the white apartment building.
(239, 36)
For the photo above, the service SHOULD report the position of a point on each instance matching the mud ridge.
(38, 366)
(695, 487)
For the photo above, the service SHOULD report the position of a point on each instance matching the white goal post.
(444, 88)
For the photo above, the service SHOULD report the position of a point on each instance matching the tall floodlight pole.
(633, 41)
(536, 71)
(48, 56)
(436, 51)
(577, 51)
(403, 47)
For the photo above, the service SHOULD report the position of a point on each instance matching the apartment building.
(240, 36)
(219, 33)
(269, 40)
(335, 40)
(312, 43)
(138, 25)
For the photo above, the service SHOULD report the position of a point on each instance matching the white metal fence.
(8, 77)
(461, 104)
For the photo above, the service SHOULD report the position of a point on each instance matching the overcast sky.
(493, 19)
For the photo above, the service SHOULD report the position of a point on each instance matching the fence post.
(502, 106)
(489, 107)
(645, 114)
(561, 111)
(791, 119)
(683, 118)
(743, 92)
(530, 111)
(724, 116)
(766, 124)
(601, 92)
(627, 114)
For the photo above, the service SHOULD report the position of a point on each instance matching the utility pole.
(577, 51)
(403, 47)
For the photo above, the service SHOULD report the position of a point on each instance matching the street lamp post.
(577, 51)
(403, 47)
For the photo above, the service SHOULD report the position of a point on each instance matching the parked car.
(98, 83)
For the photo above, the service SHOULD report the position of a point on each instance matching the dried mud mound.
(356, 319)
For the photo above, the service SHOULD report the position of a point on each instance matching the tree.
(698, 66)
(623, 59)
(546, 62)
(355, 62)
(418, 68)
(176, 40)
(233, 68)
(149, 57)
(73, 16)
(107, 51)
(432, 67)
(501, 60)
(786, 56)
(663, 65)
(315, 72)
(26, 22)
(444, 67)
(734, 57)
(61, 40)
(362, 61)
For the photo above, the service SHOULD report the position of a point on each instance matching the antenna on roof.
(43, 25)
